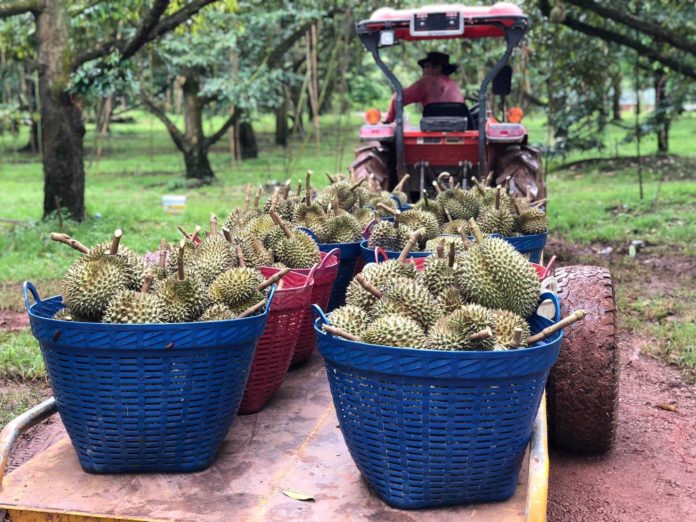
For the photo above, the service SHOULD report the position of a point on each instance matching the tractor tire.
(372, 160)
(583, 387)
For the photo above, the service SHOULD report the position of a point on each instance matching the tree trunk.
(196, 153)
(281, 128)
(616, 97)
(247, 141)
(197, 165)
(62, 128)
(662, 112)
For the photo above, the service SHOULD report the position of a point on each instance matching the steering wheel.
(473, 111)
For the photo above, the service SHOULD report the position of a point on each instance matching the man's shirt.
(427, 90)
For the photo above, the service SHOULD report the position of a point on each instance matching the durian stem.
(73, 243)
(197, 231)
(274, 278)
(308, 188)
(252, 309)
(576, 316)
(147, 283)
(425, 197)
(180, 261)
(257, 197)
(516, 338)
(185, 234)
(357, 184)
(444, 177)
(410, 244)
(369, 286)
(286, 189)
(163, 254)
(275, 217)
(331, 180)
(247, 197)
(299, 189)
(514, 205)
(240, 256)
(441, 249)
(340, 333)
(506, 184)
(448, 215)
(115, 241)
(228, 235)
(483, 334)
(539, 203)
(387, 209)
(213, 224)
(437, 187)
(497, 198)
(476, 231)
(335, 203)
(400, 185)
(489, 177)
(479, 187)
(450, 257)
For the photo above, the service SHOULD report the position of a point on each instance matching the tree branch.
(648, 28)
(625, 41)
(145, 28)
(213, 139)
(177, 136)
(163, 26)
(18, 7)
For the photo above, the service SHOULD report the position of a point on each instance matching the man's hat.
(441, 59)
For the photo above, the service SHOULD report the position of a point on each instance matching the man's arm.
(414, 93)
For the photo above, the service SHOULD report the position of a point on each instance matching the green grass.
(20, 357)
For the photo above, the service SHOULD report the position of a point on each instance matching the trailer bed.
(293, 444)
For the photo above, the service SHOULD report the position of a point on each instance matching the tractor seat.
(446, 117)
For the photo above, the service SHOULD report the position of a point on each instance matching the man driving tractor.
(435, 86)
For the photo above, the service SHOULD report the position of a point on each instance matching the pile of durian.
(496, 211)
(476, 300)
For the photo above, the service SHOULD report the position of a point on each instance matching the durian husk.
(453, 331)
(395, 330)
(129, 307)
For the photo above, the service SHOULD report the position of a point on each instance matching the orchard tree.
(60, 29)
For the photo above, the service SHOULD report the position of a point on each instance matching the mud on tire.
(583, 386)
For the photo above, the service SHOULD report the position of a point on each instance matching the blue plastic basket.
(147, 397)
(403, 207)
(531, 246)
(370, 254)
(431, 428)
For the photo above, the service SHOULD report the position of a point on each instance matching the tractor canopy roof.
(445, 21)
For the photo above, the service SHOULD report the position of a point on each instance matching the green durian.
(395, 330)
(351, 319)
(217, 312)
(408, 298)
(453, 331)
(505, 323)
(237, 288)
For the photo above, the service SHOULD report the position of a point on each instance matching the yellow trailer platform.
(293, 444)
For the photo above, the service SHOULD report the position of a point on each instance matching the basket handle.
(310, 276)
(269, 299)
(310, 233)
(556, 304)
(26, 288)
(333, 251)
(320, 314)
(398, 202)
(367, 231)
(380, 252)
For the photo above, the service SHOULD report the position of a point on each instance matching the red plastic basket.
(277, 344)
(324, 277)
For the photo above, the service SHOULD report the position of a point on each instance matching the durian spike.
(286, 189)
(299, 189)
(537, 204)
(163, 254)
(576, 316)
(278, 221)
(483, 334)
(252, 309)
(437, 187)
(147, 283)
(516, 338)
(257, 196)
(369, 286)
(489, 177)
(240, 256)
(340, 333)
(274, 278)
(228, 235)
(497, 197)
(481, 189)
(387, 209)
(427, 200)
(400, 185)
(331, 180)
(449, 216)
(73, 243)
(410, 244)
(180, 260)
(450, 257)
(197, 231)
(356, 184)
(476, 230)
(186, 234)
(247, 197)
(213, 224)
(115, 241)
(441, 248)
(308, 188)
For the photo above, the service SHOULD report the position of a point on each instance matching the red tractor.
(462, 139)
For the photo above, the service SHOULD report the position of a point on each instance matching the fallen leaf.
(297, 495)
(667, 407)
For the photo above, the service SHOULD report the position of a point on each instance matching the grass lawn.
(595, 204)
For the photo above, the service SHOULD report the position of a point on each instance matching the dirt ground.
(650, 475)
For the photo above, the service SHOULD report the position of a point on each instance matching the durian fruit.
(363, 216)
(467, 328)
(217, 312)
(505, 325)
(497, 219)
(239, 217)
(351, 319)
(377, 274)
(456, 204)
(308, 213)
(255, 254)
(184, 296)
(395, 330)
(129, 307)
(258, 227)
(296, 249)
(340, 229)
(384, 204)
(532, 221)
(438, 271)
(398, 190)
(391, 236)
(212, 256)
(133, 266)
(342, 191)
(485, 195)
(64, 314)
(427, 205)
(493, 274)
(456, 226)
(405, 297)
(281, 203)
(187, 254)
(417, 219)
(460, 244)
(450, 300)
(237, 288)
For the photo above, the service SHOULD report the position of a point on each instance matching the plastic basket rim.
(364, 247)
(28, 286)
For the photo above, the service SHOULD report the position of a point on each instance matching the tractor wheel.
(583, 386)
(372, 159)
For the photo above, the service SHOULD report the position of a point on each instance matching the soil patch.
(10, 320)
